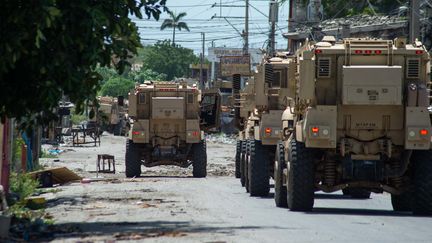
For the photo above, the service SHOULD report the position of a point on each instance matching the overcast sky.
(199, 13)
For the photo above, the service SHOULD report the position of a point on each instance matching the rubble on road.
(221, 138)
(60, 175)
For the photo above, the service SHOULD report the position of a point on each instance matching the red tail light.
(318, 51)
(368, 52)
(358, 51)
(136, 133)
(315, 129)
(424, 132)
(419, 52)
(378, 52)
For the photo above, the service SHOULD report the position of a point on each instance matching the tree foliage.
(175, 23)
(343, 8)
(52, 47)
(164, 58)
(116, 86)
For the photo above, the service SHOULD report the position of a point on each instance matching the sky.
(218, 32)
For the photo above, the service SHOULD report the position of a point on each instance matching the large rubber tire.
(246, 165)
(199, 159)
(402, 203)
(422, 182)
(280, 189)
(301, 176)
(237, 159)
(243, 163)
(258, 170)
(357, 193)
(132, 160)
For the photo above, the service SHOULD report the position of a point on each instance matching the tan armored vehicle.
(113, 115)
(169, 120)
(360, 123)
(261, 108)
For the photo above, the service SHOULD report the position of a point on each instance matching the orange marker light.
(315, 129)
(268, 130)
(424, 132)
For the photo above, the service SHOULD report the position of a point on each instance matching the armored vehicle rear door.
(210, 110)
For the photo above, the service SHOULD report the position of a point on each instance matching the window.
(142, 98)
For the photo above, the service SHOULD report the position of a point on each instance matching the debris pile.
(353, 21)
(221, 138)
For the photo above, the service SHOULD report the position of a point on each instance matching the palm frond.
(168, 23)
(180, 16)
(172, 14)
(182, 25)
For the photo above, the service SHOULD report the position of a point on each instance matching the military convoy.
(356, 119)
(169, 120)
(261, 104)
(113, 116)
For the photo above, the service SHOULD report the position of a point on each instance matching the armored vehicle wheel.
(401, 203)
(422, 179)
(279, 165)
(258, 171)
(243, 163)
(237, 159)
(357, 193)
(132, 160)
(199, 159)
(246, 165)
(300, 181)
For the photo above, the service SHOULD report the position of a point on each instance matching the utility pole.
(414, 20)
(273, 18)
(202, 61)
(246, 31)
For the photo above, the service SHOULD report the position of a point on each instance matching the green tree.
(343, 8)
(52, 47)
(164, 58)
(175, 23)
(117, 86)
(147, 74)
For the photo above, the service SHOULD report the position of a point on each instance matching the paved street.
(168, 205)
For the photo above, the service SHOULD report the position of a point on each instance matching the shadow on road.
(359, 212)
(142, 230)
(336, 197)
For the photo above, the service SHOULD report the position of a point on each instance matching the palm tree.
(175, 23)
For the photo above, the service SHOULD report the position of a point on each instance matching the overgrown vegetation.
(51, 48)
(26, 222)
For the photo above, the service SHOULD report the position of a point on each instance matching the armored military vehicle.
(359, 122)
(169, 120)
(113, 116)
(260, 125)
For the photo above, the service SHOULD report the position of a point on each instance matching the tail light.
(424, 132)
(315, 129)
(268, 130)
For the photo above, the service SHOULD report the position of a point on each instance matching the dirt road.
(167, 205)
